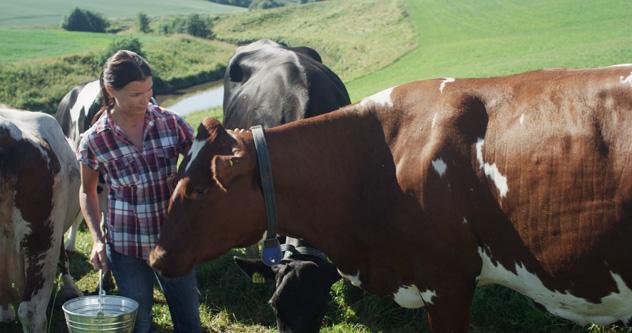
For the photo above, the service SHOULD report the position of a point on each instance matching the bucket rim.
(133, 305)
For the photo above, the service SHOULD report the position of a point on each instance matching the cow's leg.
(7, 314)
(41, 268)
(69, 288)
(450, 311)
(32, 309)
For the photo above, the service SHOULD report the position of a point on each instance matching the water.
(196, 98)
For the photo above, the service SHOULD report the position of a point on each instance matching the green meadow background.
(372, 45)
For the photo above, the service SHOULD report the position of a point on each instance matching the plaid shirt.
(140, 182)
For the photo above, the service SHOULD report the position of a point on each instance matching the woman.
(136, 145)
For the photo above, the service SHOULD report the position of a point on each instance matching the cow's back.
(76, 110)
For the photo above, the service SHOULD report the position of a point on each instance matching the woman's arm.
(89, 201)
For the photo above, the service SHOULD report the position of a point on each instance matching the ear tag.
(258, 278)
(271, 252)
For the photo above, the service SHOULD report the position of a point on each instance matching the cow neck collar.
(271, 252)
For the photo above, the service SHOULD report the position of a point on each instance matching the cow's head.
(216, 205)
(302, 290)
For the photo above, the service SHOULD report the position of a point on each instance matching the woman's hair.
(120, 69)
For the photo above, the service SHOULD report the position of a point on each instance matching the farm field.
(489, 38)
(50, 12)
(431, 39)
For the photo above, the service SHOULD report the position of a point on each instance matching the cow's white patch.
(354, 279)
(382, 98)
(434, 120)
(87, 96)
(464, 220)
(439, 166)
(613, 307)
(411, 298)
(626, 80)
(444, 82)
(21, 228)
(6, 314)
(491, 170)
(522, 119)
(196, 147)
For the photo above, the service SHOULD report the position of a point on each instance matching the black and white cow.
(39, 186)
(74, 114)
(269, 84)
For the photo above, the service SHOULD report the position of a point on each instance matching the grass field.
(23, 44)
(51, 12)
(353, 37)
(488, 37)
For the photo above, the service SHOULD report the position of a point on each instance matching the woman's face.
(134, 97)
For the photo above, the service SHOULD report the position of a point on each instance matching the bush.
(131, 44)
(194, 25)
(84, 20)
(143, 23)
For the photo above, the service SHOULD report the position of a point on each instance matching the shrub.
(132, 44)
(143, 23)
(84, 20)
(194, 25)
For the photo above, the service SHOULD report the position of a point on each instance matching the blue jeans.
(135, 279)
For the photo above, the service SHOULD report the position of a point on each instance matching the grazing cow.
(269, 84)
(74, 114)
(428, 189)
(39, 186)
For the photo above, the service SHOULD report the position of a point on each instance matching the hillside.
(488, 37)
(353, 37)
(24, 13)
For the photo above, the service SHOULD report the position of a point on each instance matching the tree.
(143, 23)
(84, 20)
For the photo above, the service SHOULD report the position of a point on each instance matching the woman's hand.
(98, 258)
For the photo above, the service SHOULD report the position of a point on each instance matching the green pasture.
(353, 37)
(30, 43)
(23, 13)
(487, 38)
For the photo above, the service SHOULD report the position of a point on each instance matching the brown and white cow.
(429, 189)
(39, 186)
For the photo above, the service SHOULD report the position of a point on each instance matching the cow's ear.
(224, 168)
(252, 267)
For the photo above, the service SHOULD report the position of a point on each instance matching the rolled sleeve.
(185, 135)
(86, 155)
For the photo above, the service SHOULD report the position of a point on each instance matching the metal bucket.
(111, 314)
